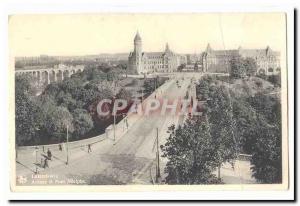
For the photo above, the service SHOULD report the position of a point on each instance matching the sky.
(86, 34)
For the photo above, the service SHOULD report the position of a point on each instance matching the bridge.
(48, 75)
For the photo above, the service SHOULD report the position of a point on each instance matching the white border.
(153, 6)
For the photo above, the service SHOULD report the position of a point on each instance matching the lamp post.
(36, 155)
(16, 148)
(114, 113)
(36, 159)
(67, 145)
(158, 177)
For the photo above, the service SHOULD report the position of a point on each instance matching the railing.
(131, 118)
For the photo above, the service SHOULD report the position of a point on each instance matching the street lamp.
(114, 113)
(158, 177)
(16, 148)
(67, 145)
(36, 155)
(36, 159)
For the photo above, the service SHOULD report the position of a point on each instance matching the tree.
(267, 157)
(124, 94)
(190, 154)
(203, 88)
(66, 100)
(27, 112)
(181, 67)
(27, 118)
(266, 148)
(52, 89)
(250, 66)
(82, 123)
(223, 126)
(56, 122)
(245, 117)
(267, 105)
(237, 68)
(275, 80)
(149, 86)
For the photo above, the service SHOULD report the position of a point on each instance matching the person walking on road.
(89, 148)
(49, 154)
(46, 163)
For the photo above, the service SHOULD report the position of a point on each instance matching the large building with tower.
(149, 62)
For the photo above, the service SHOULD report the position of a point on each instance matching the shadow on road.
(26, 166)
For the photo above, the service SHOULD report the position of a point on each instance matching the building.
(268, 61)
(149, 62)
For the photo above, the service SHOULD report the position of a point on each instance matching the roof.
(242, 52)
(137, 37)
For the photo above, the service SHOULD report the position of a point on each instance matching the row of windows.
(270, 70)
(156, 67)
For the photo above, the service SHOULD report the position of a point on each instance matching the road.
(126, 161)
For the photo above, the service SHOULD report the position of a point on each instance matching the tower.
(138, 53)
(138, 43)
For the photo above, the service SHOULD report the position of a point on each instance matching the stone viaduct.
(48, 75)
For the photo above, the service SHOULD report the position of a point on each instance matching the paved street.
(130, 159)
(122, 162)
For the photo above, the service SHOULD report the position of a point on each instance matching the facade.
(268, 61)
(149, 62)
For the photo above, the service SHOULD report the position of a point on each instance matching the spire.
(137, 37)
(167, 47)
(208, 48)
(268, 50)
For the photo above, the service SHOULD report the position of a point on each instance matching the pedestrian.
(232, 164)
(89, 148)
(49, 154)
(60, 147)
(46, 163)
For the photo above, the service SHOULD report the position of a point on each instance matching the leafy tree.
(27, 112)
(27, 119)
(267, 157)
(245, 117)
(267, 105)
(275, 80)
(82, 123)
(57, 121)
(203, 88)
(237, 68)
(223, 125)
(250, 124)
(23, 85)
(181, 67)
(190, 154)
(250, 66)
(104, 68)
(124, 94)
(52, 89)
(66, 100)
(242, 67)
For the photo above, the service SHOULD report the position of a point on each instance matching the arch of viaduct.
(52, 74)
